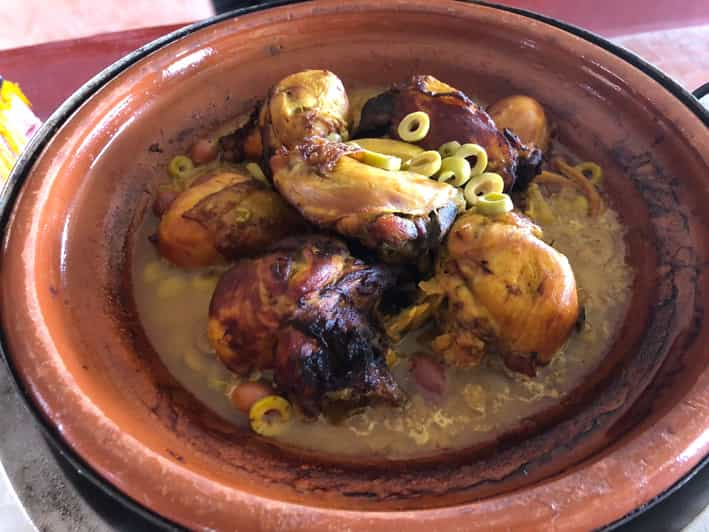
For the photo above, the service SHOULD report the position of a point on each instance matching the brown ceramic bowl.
(77, 349)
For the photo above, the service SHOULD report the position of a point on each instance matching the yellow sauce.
(479, 403)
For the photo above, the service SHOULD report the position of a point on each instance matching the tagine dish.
(381, 271)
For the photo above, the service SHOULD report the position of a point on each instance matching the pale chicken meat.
(311, 103)
(505, 292)
(400, 214)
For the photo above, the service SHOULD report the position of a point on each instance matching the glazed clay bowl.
(74, 342)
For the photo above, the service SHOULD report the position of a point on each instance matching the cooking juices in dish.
(405, 272)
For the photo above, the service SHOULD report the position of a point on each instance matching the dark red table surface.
(49, 73)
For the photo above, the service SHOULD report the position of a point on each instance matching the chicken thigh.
(223, 215)
(402, 215)
(302, 310)
(505, 292)
(453, 117)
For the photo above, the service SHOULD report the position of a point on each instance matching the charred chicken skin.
(453, 116)
(302, 310)
(224, 214)
(399, 214)
(505, 292)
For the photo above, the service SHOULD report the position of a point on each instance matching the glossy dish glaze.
(73, 337)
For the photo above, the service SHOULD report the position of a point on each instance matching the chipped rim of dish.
(12, 187)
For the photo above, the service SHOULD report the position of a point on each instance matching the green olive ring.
(426, 164)
(180, 166)
(457, 168)
(488, 182)
(449, 148)
(477, 151)
(494, 203)
(414, 126)
(376, 159)
(259, 418)
(592, 170)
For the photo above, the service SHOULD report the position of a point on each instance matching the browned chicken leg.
(311, 103)
(400, 214)
(453, 116)
(303, 310)
(223, 215)
(506, 292)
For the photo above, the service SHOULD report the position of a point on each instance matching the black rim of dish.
(10, 191)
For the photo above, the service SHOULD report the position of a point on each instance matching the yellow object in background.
(17, 125)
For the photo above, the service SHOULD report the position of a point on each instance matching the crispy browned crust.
(245, 218)
(303, 310)
(453, 116)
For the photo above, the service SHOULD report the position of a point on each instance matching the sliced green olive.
(378, 160)
(591, 170)
(256, 172)
(460, 169)
(477, 151)
(180, 166)
(414, 126)
(486, 183)
(268, 416)
(395, 148)
(449, 148)
(445, 177)
(426, 163)
(494, 203)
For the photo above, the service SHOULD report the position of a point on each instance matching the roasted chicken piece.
(400, 214)
(303, 310)
(311, 103)
(505, 292)
(304, 104)
(525, 117)
(453, 116)
(223, 215)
